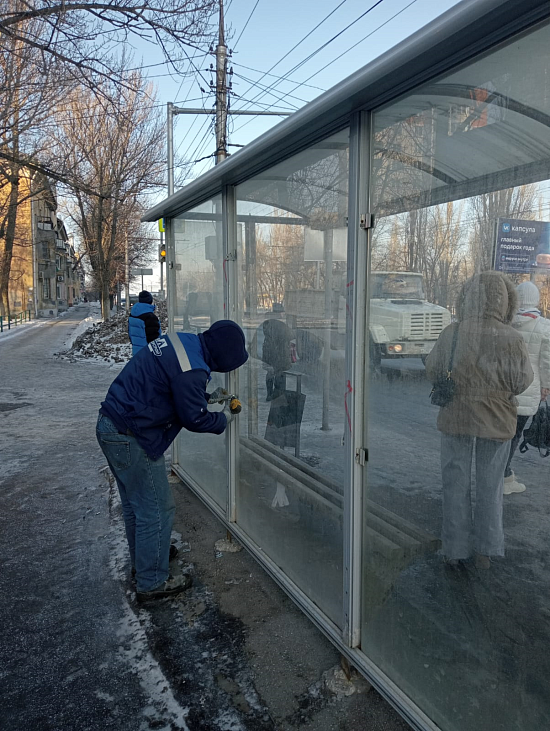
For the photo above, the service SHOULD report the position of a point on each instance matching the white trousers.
(479, 530)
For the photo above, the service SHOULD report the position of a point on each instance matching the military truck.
(403, 324)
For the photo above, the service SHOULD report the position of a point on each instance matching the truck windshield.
(396, 285)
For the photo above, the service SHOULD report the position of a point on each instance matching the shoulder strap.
(453, 348)
(181, 354)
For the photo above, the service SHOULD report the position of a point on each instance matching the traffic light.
(162, 252)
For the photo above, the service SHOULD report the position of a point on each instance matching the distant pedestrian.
(161, 390)
(143, 324)
(490, 367)
(535, 330)
(276, 356)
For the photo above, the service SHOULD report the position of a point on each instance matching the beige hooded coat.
(491, 364)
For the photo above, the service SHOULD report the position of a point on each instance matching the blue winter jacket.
(143, 326)
(163, 388)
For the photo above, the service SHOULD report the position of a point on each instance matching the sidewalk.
(41, 321)
(76, 650)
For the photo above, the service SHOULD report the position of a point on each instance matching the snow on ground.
(107, 341)
(95, 315)
(163, 712)
(81, 328)
(18, 329)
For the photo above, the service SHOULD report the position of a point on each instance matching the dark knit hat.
(223, 346)
(145, 297)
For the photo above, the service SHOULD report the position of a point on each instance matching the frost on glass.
(292, 233)
(199, 302)
(453, 162)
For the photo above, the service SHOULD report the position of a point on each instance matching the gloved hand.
(218, 395)
(228, 415)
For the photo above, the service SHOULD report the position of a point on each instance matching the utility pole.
(170, 145)
(221, 109)
(221, 92)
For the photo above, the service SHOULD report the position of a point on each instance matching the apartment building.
(45, 275)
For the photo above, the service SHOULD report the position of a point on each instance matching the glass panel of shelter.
(292, 233)
(199, 302)
(460, 186)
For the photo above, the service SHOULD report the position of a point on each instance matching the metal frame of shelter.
(470, 29)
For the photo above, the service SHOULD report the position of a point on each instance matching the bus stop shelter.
(330, 477)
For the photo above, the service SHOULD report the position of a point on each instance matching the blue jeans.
(482, 531)
(147, 503)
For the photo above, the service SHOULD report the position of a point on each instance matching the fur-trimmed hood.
(488, 294)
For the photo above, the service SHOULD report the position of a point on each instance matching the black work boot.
(170, 587)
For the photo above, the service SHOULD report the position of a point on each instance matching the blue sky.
(272, 31)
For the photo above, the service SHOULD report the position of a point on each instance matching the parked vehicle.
(403, 324)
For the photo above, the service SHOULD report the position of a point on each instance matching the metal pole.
(34, 258)
(142, 280)
(221, 92)
(328, 324)
(170, 145)
(127, 274)
(161, 266)
(252, 296)
(236, 112)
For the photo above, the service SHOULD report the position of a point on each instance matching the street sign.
(522, 246)
(162, 225)
(141, 272)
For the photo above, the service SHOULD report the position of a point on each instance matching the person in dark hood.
(161, 390)
(143, 324)
(276, 354)
(490, 367)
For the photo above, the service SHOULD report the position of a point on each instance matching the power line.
(184, 101)
(299, 43)
(344, 53)
(360, 41)
(245, 25)
(264, 88)
(291, 81)
(318, 50)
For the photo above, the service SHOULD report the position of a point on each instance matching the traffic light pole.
(161, 264)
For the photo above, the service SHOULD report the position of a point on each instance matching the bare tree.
(31, 88)
(85, 35)
(47, 48)
(115, 147)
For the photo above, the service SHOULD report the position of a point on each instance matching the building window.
(45, 251)
(45, 224)
(46, 289)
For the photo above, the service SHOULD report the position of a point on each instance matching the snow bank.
(106, 341)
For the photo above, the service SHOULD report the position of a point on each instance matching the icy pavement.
(76, 651)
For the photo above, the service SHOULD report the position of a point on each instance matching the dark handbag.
(443, 390)
(538, 432)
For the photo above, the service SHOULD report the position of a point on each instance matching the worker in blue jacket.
(143, 324)
(159, 391)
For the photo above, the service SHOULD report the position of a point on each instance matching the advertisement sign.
(522, 246)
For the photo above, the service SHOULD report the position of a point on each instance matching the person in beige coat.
(535, 330)
(490, 368)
